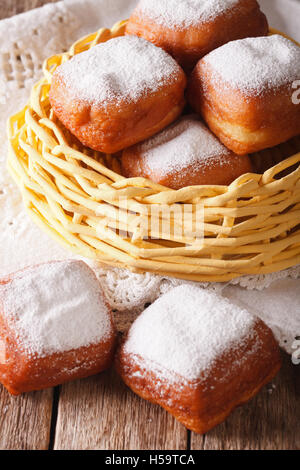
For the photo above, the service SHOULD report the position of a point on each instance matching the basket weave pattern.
(250, 227)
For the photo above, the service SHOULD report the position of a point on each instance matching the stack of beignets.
(120, 93)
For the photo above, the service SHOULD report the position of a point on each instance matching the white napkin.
(278, 306)
(27, 39)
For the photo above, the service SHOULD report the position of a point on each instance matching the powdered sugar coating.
(255, 65)
(184, 13)
(186, 330)
(186, 143)
(120, 70)
(56, 307)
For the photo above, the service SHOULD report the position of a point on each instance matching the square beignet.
(118, 93)
(187, 153)
(189, 29)
(55, 326)
(244, 91)
(198, 356)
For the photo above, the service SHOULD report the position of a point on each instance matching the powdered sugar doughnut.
(184, 154)
(244, 90)
(189, 29)
(198, 356)
(118, 93)
(55, 326)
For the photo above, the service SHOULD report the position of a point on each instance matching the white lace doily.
(25, 41)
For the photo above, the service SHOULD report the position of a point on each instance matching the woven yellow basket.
(79, 197)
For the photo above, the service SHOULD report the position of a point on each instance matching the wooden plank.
(12, 7)
(101, 413)
(25, 420)
(269, 422)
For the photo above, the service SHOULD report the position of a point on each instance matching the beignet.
(55, 326)
(184, 154)
(244, 92)
(198, 356)
(189, 29)
(118, 93)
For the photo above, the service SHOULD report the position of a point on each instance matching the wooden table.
(101, 413)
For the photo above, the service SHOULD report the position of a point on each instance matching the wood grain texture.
(101, 413)
(268, 422)
(25, 420)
